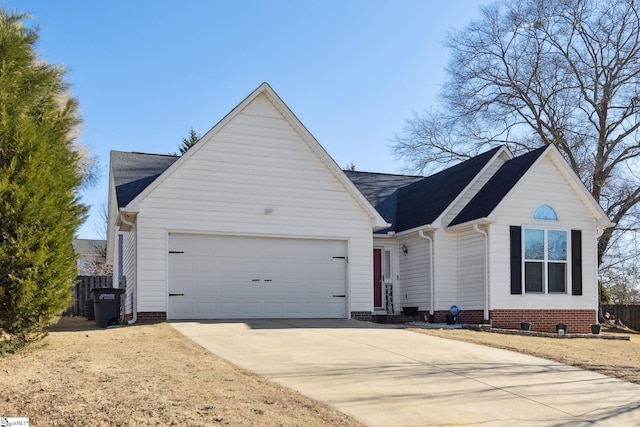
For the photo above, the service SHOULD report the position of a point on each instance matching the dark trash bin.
(89, 312)
(450, 319)
(106, 303)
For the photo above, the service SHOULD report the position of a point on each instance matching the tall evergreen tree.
(189, 142)
(39, 176)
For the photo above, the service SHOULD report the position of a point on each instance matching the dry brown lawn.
(151, 375)
(143, 375)
(615, 358)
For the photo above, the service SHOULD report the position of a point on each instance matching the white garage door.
(223, 277)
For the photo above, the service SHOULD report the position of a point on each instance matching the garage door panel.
(236, 277)
(182, 308)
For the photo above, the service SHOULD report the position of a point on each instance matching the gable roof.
(423, 202)
(382, 191)
(133, 172)
(140, 184)
(498, 186)
(411, 201)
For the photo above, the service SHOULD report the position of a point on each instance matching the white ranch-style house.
(258, 221)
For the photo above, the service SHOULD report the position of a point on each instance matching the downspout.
(432, 292)
(134, 311)
(486, 270)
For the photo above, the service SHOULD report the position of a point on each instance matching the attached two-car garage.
(222, 277)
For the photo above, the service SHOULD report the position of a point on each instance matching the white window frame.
(545, 261)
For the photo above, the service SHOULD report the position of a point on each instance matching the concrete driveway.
(384, 376)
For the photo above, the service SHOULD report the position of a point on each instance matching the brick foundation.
(361, 315)
(472, 317)
(577, 321)
(148, 316)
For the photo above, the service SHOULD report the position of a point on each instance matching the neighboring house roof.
(498, 186)
(133, 172)
(89, 247)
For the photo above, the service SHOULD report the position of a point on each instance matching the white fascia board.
(503, 150)
(134, 205)
(469, 224)
(377, 222)
(574, 181)
(112, 214)
(426, 227)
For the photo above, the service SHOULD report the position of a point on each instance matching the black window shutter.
(516, 259)
(576, 262)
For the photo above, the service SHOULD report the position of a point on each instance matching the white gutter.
(134, 311)
(486, 270)
(432, 292)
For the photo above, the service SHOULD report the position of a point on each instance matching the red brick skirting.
(577, 321)
(361, 315)
(150, 316)
(472, 317)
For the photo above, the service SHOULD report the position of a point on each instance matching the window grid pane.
(534, 244)
(545, 261)
(557, 277)
(557, 245)
(533, 275)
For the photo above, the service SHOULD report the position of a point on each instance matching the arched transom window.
(545, 212)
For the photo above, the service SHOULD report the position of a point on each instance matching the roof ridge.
(385, 173)
(146, 154)
(498, 186)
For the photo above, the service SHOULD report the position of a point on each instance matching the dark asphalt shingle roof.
(423, 202)
(381, 190)
(498, 186)
(411, 201)
(133, 172)
(405, 201)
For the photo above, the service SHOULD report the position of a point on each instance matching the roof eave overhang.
(469, 224)
(425, 227)
(378, 223)
(602, 220)
(125, 221)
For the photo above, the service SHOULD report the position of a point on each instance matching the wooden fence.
(82, 292)
(629, 315)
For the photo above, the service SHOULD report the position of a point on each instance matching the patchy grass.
(615, 358)
(143, 375)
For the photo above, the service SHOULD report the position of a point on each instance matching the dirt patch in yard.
(143, 375)
(615, 358)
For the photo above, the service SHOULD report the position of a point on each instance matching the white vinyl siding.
(471, 248)
(415, 273)
(446, 274)
(517, 209)
(128, 268)
(255, 177)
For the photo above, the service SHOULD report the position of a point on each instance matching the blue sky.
(145, 72)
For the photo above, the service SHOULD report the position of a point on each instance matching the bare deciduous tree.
(533, 72)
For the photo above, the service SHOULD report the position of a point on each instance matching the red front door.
(377, 278)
